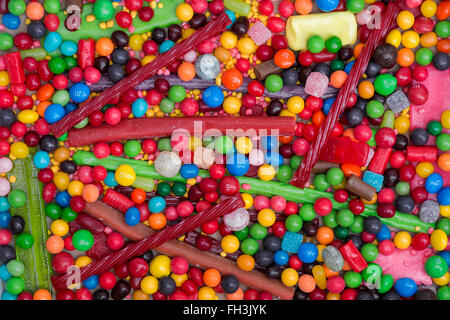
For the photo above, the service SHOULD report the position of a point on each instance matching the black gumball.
(7, 117)
(373, 69)
(379, 98)
(167, 286)
(115, 73)
(303, 74)
(345, 53)
(323, 68)
(405, 204)
(425, 294)
(16, 224)
(159, 35)
(419, 136)
(198, 21)
(361, 104)
(174, 32)
(401, 142)
(441, 61)
(101, 295)
(120, 38)
(240, 26)
(385, 55)
(148, 256)
(230, 284)
(356, 240)
(309, 229)
(274, 272)
(391, 296)
(120, 290)
(36, 29)
(391, 177)
(68, 166)
(272, 243)
(372, 225)
(300, 295)
(101, 64)
(264, 258)
(120, 56)
(48, 143)
(354, 116)
(364, 295)
(307, 268)
(274, 108)
(290, 77)
(7, 253)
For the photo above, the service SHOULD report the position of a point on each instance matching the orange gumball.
(42, 106)
(104, 46)
(237, 295)
(186, 71)
(357, 50)
(285, 139)
(306, 283)
(35, 11)
(303, 6)
(157, 221)
(318, 118)
(444, 162)
(245, 262)
(366, 89)
(443, 10)
(405, 57)
(443, 45)
(232, 79)
(328, 272)
(54, 244)
(350, 132)
(90, 193)
(138, 195)
(428, 39)
(45, 92)
(212, 277)
(338, 78)
(42, 294)
(284, 58)
(325, 235)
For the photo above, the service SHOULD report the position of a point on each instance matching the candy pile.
(224, 149)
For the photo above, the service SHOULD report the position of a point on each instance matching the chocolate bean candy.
(266, 68)
(360, 188)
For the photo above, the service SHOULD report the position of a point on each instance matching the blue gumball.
(52, 41)
(384, 233)
(213, 96)
(189, 171)
(434, 183)
(269, 143)
(166, 46)
(4, 204)
(132, 216)
(11, 21)
(41, 159)
(70, 107)
(327, 5)
(307, 252)
(110, 180)
(327, 103)
(232, 16)
(139, 107)
(8, 296)
(54, 113)
(156, 204)
(63, 199)
(68, 48)
(274, 159)
(349, 66)
(91, 282)
(238, 164)
(4, 273)
(4, 219)
(79, 92)
(443, 196)
(446, 256)
(405, 287)
(281, 257)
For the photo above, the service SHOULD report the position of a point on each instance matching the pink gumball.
(5, 187)
(85, 174)
(386, 247)
(6, 165)
(91, 75)
(261, 202)
(278, 203)
(363, 17)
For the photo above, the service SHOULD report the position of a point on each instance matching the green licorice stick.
(163, 17)
(268, 188)
(37, 53)
(146, 184)
(388, 120)
(237, 6)
(36, 259)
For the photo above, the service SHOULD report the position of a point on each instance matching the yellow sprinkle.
(223, 254)
(160, 114)
(133, 14)
(182, 238)
(191, 181)
(102, 25)
(417, 228)
(153, 4)
(55, 169)
(12, 157)
(110, 24)
(160, 5)
(90, 18)
(27, 21)
(12, 179)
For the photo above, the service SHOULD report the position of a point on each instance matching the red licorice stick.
(86, 53)
(152, 241)
(213, 27)
(117, 200)
(345, 150)
(139, 128)
(352, 255)
(419, 154)
(92, 224)
(302, 174)
(14, 67)
(380, 160)
(4, 6)
(323, 56)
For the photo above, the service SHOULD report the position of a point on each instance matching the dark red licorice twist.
(117, 200)
(303, 173)
(213, 27)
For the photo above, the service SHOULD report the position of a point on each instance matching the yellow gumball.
(140, 295)
(295, 104)
(405, 19)
(4, 79)
(266, 172)
(82, 261)
(442, 281)
(402, 240)
(445, 119)
(160, 266)
(59, 227)
(125, 175)
(184, 12)
(61, 180)
(207, 293)
(286, 113)
(147, 59)
(402, 124)
(230, 243)
(28, 116)
(228, 40)
(232, 105)
(19, 150)
(246, 45)
(289, 277)
(444, 211)
(410, 39)
(438, 240)
(136, 41)
(266, 217)
(186, 33)
(179, 278)
(428, 8)
(394, 37)
(75, 188)
(424, 169)
(248, 200)
(149, 285)
(244, 145)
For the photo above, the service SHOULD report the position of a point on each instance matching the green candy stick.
(37, 53)
(268, 188)
(163, 17)
(36, 259)
(237, 6)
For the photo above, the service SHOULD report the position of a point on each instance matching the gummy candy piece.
(291, 241)
(380, 160)
(398, 101)
(316, 84)
(373, 179)
(344, 150)
(352, 255)
(259, 33)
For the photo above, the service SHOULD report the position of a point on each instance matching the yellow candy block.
(301, 27)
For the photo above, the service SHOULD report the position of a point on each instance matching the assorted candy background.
(372, 221)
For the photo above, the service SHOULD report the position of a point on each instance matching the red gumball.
(420, 241)
(124, 19)
(404, 76)
(286, 8)
(417, 94)
(107, 280)
(420, 73)
(265, 7)
(115, 241)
